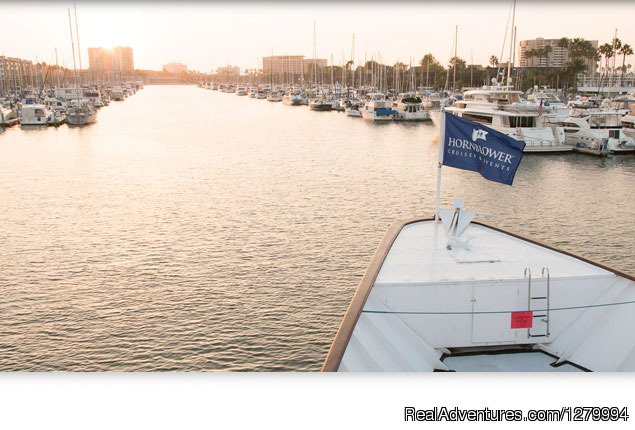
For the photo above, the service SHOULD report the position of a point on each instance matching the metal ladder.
(541, 302)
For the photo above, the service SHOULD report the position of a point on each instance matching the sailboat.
(448, 293)
(80, 111)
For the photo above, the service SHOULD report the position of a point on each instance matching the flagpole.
(441, 145)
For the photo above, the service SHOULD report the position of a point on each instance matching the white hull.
(412, 116)
(292, 101)
(8, 117)
(371, 116)
(598, 141)
(492, 301)
(81, 119)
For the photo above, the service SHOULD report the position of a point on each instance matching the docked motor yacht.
(552, 106)
(504, 110)
(241, 91)
(68, 94)
(628, 123)
(352, 108)
(39, 114)
(460, 295)
(598, 132)
(8, 115)
(409, 108)
(377, 108)
(622, 104)
(94, 97)
(320, 104)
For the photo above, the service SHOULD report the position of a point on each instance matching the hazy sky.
(207, 35)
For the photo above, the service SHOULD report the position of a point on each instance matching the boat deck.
(491, 291)
(419, 255)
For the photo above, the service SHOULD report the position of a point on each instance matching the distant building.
(15, 73)
(119, 59)
(228, 71)
(558, 56)
(175, 68)
(291, 65)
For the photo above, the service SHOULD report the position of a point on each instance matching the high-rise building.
(175, 68)
(557, 57)
(229, 71)
(291, 65)
(108, 60)
(15, 73)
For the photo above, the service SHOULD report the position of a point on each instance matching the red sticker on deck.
(522, 319)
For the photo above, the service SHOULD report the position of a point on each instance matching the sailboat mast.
(353, 62)
(79, 52)
(456, 36)
(511, 44)
(70, 27)
(57, 69)
(314, 57)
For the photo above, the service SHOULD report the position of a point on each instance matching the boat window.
(615, 134)
(570, 124)
(478, 118)
(521, 121)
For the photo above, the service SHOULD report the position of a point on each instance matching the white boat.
(293, 98)
(320, 104)
(68, 94)
(597, 132)
(409, 108)
(39, 114)
(551, 105)
(622, 104)
(117, 94)
(94, 97)
(352, 108)
(377, 108)
(8, 116)
(274, 96)
(504, 110)
(338, 105)
(461, 296)
(55, 104)
(241, 91)
(628, 123)
(261, 95)
(81, 114)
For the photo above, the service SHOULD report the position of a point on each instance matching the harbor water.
(190, 229)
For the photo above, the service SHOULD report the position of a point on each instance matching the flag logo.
(479, 134)
(471, 146)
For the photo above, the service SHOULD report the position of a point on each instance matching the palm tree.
(617, 45)
(493, 60)
(564, 43)
(543, 52)
(607, 51)
(529, 54)
(624, 51)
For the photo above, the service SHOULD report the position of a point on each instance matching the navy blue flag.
(471, 146)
